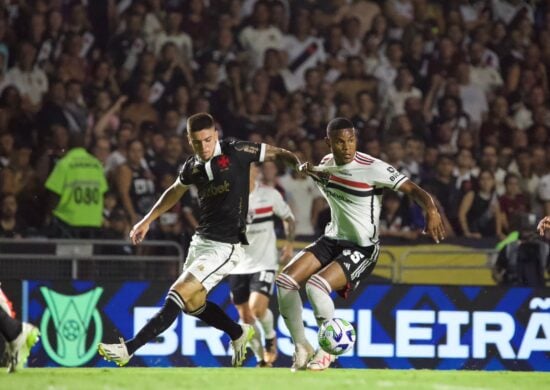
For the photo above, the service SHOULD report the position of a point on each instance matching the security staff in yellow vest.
(78, 183)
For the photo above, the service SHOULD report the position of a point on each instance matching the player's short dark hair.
(339, 124)
(200, 121)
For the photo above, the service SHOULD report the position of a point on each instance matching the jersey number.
(355, 256)
(86, 195)
(266, 276)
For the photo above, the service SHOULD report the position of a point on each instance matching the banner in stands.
(435, 327)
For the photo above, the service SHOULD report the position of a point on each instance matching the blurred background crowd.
(455, 94)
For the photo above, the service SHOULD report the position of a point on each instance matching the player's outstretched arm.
(434, 224)
(166, 201)
(289, 158)
(543, 225)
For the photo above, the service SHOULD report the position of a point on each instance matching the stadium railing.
(62, 259)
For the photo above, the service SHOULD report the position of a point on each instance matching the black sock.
(158, 324)
(10, 328)
(214, 316)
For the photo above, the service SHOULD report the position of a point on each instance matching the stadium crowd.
(454, 94)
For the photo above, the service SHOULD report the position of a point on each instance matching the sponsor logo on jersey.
(213, 190)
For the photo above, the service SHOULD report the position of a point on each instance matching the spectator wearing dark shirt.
(10, 225)
(513, 201)
(443, 187)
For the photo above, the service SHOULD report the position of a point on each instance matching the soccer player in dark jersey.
(352, 182)
(220, 170)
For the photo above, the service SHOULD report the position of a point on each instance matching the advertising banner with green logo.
(398, 326)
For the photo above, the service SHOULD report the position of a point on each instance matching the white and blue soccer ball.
(336, 336)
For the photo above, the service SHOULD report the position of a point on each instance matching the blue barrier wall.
(398, 326)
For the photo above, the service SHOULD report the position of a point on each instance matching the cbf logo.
(70, 316)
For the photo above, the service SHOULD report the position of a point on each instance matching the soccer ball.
(336, 336)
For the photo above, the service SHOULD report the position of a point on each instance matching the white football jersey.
(261, 255)
(354, 193)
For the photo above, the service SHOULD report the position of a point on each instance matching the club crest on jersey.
(223, 162)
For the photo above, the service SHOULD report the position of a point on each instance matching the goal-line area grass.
(266, 378)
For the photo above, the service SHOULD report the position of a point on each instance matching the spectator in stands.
(25, 185)
(11, 226)
(443, 186)
(402, 89)
(489, 162)
(393, 221)
(30, 80)
(523, 262)
(304, 199)
(134, 183)
(118, 156)
(304, 50)
(77, 184)
(354, 80)
(172, 33)
(513, 201)
(7, 143)
(465, 171)
(479, 212)
(260, 35)
(498, 128)
(171, 158)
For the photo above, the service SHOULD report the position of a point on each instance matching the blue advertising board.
(398, 326)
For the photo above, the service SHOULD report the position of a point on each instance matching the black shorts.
(243, 284)
(356, 261)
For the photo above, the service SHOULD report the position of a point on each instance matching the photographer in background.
(523, 262)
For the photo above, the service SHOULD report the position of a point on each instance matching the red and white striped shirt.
(354, 193)
(264, 203)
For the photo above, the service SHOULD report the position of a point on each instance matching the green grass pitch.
(265, 378)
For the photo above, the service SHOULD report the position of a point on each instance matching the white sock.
(267, 324)
(318, 291)
(290, 306)
(256, 344)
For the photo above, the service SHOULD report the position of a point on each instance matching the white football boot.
(321, 361)
(302, 355)
(117, 353)
(239, 345)
(20, 348)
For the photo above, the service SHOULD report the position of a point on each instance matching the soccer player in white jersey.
(253, 279)
(352, 182)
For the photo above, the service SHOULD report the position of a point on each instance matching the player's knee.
(189, 302)
(248, 317)
(287, 282)
(317, 283)
(258, 311)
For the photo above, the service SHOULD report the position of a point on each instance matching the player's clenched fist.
(543, 225)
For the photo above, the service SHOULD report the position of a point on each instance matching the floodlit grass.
(264, 378)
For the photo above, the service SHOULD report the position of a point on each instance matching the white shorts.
(210, 261)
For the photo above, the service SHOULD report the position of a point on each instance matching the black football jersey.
(223, 187)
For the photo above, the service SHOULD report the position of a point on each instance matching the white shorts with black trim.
(210, 261)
